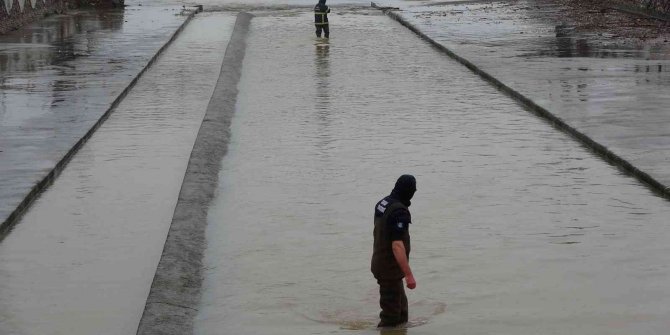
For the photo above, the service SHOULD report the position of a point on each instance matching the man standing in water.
(390, 255)
(321, 18)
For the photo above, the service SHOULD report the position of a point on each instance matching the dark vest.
(384, 265)
(321, 14)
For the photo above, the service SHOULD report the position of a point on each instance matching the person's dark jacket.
(321, 13)
(392, 220)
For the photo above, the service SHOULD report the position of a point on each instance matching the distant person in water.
(321, 18)
(390, 253)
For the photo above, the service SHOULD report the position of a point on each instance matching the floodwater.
(517, 228)
(82, 260)
(58, 76)
(607, 87)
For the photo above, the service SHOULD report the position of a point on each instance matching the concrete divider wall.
(175, 293)
(614, 159)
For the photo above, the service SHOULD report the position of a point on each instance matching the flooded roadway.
(58, 76)
(517, 228)
(82, 259)
(607, 87)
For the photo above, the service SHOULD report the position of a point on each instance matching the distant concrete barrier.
(43, 184)
(614, 159)
(176, 289)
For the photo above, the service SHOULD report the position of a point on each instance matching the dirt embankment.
(629, 19)
(661, 6)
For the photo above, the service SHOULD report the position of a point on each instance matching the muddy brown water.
(517, 229)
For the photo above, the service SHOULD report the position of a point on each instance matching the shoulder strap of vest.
(395, 205)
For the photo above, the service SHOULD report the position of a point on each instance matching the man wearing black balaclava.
(321, 18)
(390, 255)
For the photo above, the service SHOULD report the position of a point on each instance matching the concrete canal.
(517, 228)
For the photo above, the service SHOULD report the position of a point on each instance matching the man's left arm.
(399, 224)
(401, 257)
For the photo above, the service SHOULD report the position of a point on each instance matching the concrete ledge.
(612, 158)
(43, 184)
(176, 289)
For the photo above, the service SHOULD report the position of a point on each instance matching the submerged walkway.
(82, 259)
(59, 76)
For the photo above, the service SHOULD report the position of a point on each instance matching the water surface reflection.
(54, 40)
(323, 96)
(58, 76)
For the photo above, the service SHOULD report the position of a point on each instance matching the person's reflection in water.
(322, 98)
(322, 64)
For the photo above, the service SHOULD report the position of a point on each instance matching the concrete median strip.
(614, 159)
(175, 292)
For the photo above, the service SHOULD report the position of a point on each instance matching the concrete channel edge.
(171, 306)
(44, 183)
(654, 185)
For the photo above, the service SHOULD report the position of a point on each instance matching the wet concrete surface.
(58, 76)
(82, 259)
(517, 229)
(176, 289)
(611, 89)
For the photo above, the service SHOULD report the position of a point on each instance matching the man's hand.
(411, 282)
